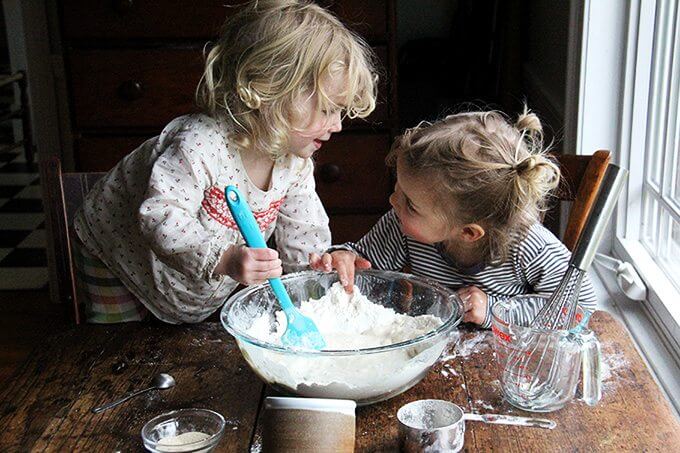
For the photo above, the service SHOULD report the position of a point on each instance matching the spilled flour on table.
(613, 366)
(233, 423)
(448, 370)
(256, 446)
(483, 404)
(476, 343)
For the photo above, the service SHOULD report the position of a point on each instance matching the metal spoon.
(160, 382)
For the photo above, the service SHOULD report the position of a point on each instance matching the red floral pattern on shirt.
(215, 205)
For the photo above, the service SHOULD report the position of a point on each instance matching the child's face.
(413, 203)
(312, 126)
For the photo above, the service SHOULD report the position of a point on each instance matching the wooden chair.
(63, 193)
(581, 179)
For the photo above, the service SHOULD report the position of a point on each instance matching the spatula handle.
(250, 230)
(244, 218)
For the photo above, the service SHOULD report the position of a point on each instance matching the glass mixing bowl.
(364, 375)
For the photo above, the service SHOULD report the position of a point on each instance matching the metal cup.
(431, 425)
(437, 425)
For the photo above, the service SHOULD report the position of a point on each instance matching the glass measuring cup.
(539, 368)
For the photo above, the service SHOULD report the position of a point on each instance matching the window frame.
(639, 48)
(614, 75)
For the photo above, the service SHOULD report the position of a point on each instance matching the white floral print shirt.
(160, 223)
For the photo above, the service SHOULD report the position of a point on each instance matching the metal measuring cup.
(438, 425)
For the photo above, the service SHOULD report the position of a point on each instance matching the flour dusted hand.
(476, 302)
(345, 262)
(249, 266)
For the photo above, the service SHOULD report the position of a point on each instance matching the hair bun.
(249, 97)
(528, 122)
(526, 165)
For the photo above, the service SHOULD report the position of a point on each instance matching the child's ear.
(472, 232)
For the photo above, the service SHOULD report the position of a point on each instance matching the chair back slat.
(581, 180)
(75, 187)
(63, 194)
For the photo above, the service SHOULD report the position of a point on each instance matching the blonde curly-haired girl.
(466, 212)
(155, 232)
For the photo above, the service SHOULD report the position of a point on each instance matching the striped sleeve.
(384, 246)
(544, 261)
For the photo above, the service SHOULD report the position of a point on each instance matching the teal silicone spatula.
(301, 331)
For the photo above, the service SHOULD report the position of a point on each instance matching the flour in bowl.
(349, 321)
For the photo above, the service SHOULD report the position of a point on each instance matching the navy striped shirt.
(536, 264)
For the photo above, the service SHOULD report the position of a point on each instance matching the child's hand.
(475, 302)
(344, 261)
(250, 266)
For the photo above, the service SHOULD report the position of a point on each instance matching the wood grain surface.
(46, 405)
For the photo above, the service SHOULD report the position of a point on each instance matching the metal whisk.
(558, 313)
(533, 368)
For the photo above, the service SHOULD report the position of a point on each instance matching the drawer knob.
(123, 6)
(330, 173)
(130, 90)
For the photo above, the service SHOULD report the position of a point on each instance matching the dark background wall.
(461, 54)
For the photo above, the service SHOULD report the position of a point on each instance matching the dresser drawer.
(351, 172)
(148, 88)
(173, 19)
(133, 19)
(350, 169)
(133, 88)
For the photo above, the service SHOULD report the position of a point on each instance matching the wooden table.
(46, 405)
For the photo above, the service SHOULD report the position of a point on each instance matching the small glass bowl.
(183, 421)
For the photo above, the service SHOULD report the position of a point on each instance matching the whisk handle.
(598, 218)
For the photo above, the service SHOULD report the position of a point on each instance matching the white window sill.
(663, 298)
(650, 325)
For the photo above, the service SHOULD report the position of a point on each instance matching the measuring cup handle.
(592, 369)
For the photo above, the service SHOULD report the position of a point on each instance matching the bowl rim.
(446, 326)
(184, 411)
(496, 319)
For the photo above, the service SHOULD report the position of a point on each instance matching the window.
(660, 222)
(628, 66)
(648, 229)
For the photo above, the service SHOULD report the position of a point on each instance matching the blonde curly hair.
(272, 56)
(496, 174)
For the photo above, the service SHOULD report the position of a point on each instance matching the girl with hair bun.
(155, 234)
(466, 212)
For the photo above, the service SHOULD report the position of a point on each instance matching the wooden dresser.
(133, 65)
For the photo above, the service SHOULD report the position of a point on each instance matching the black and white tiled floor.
(23, 260)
